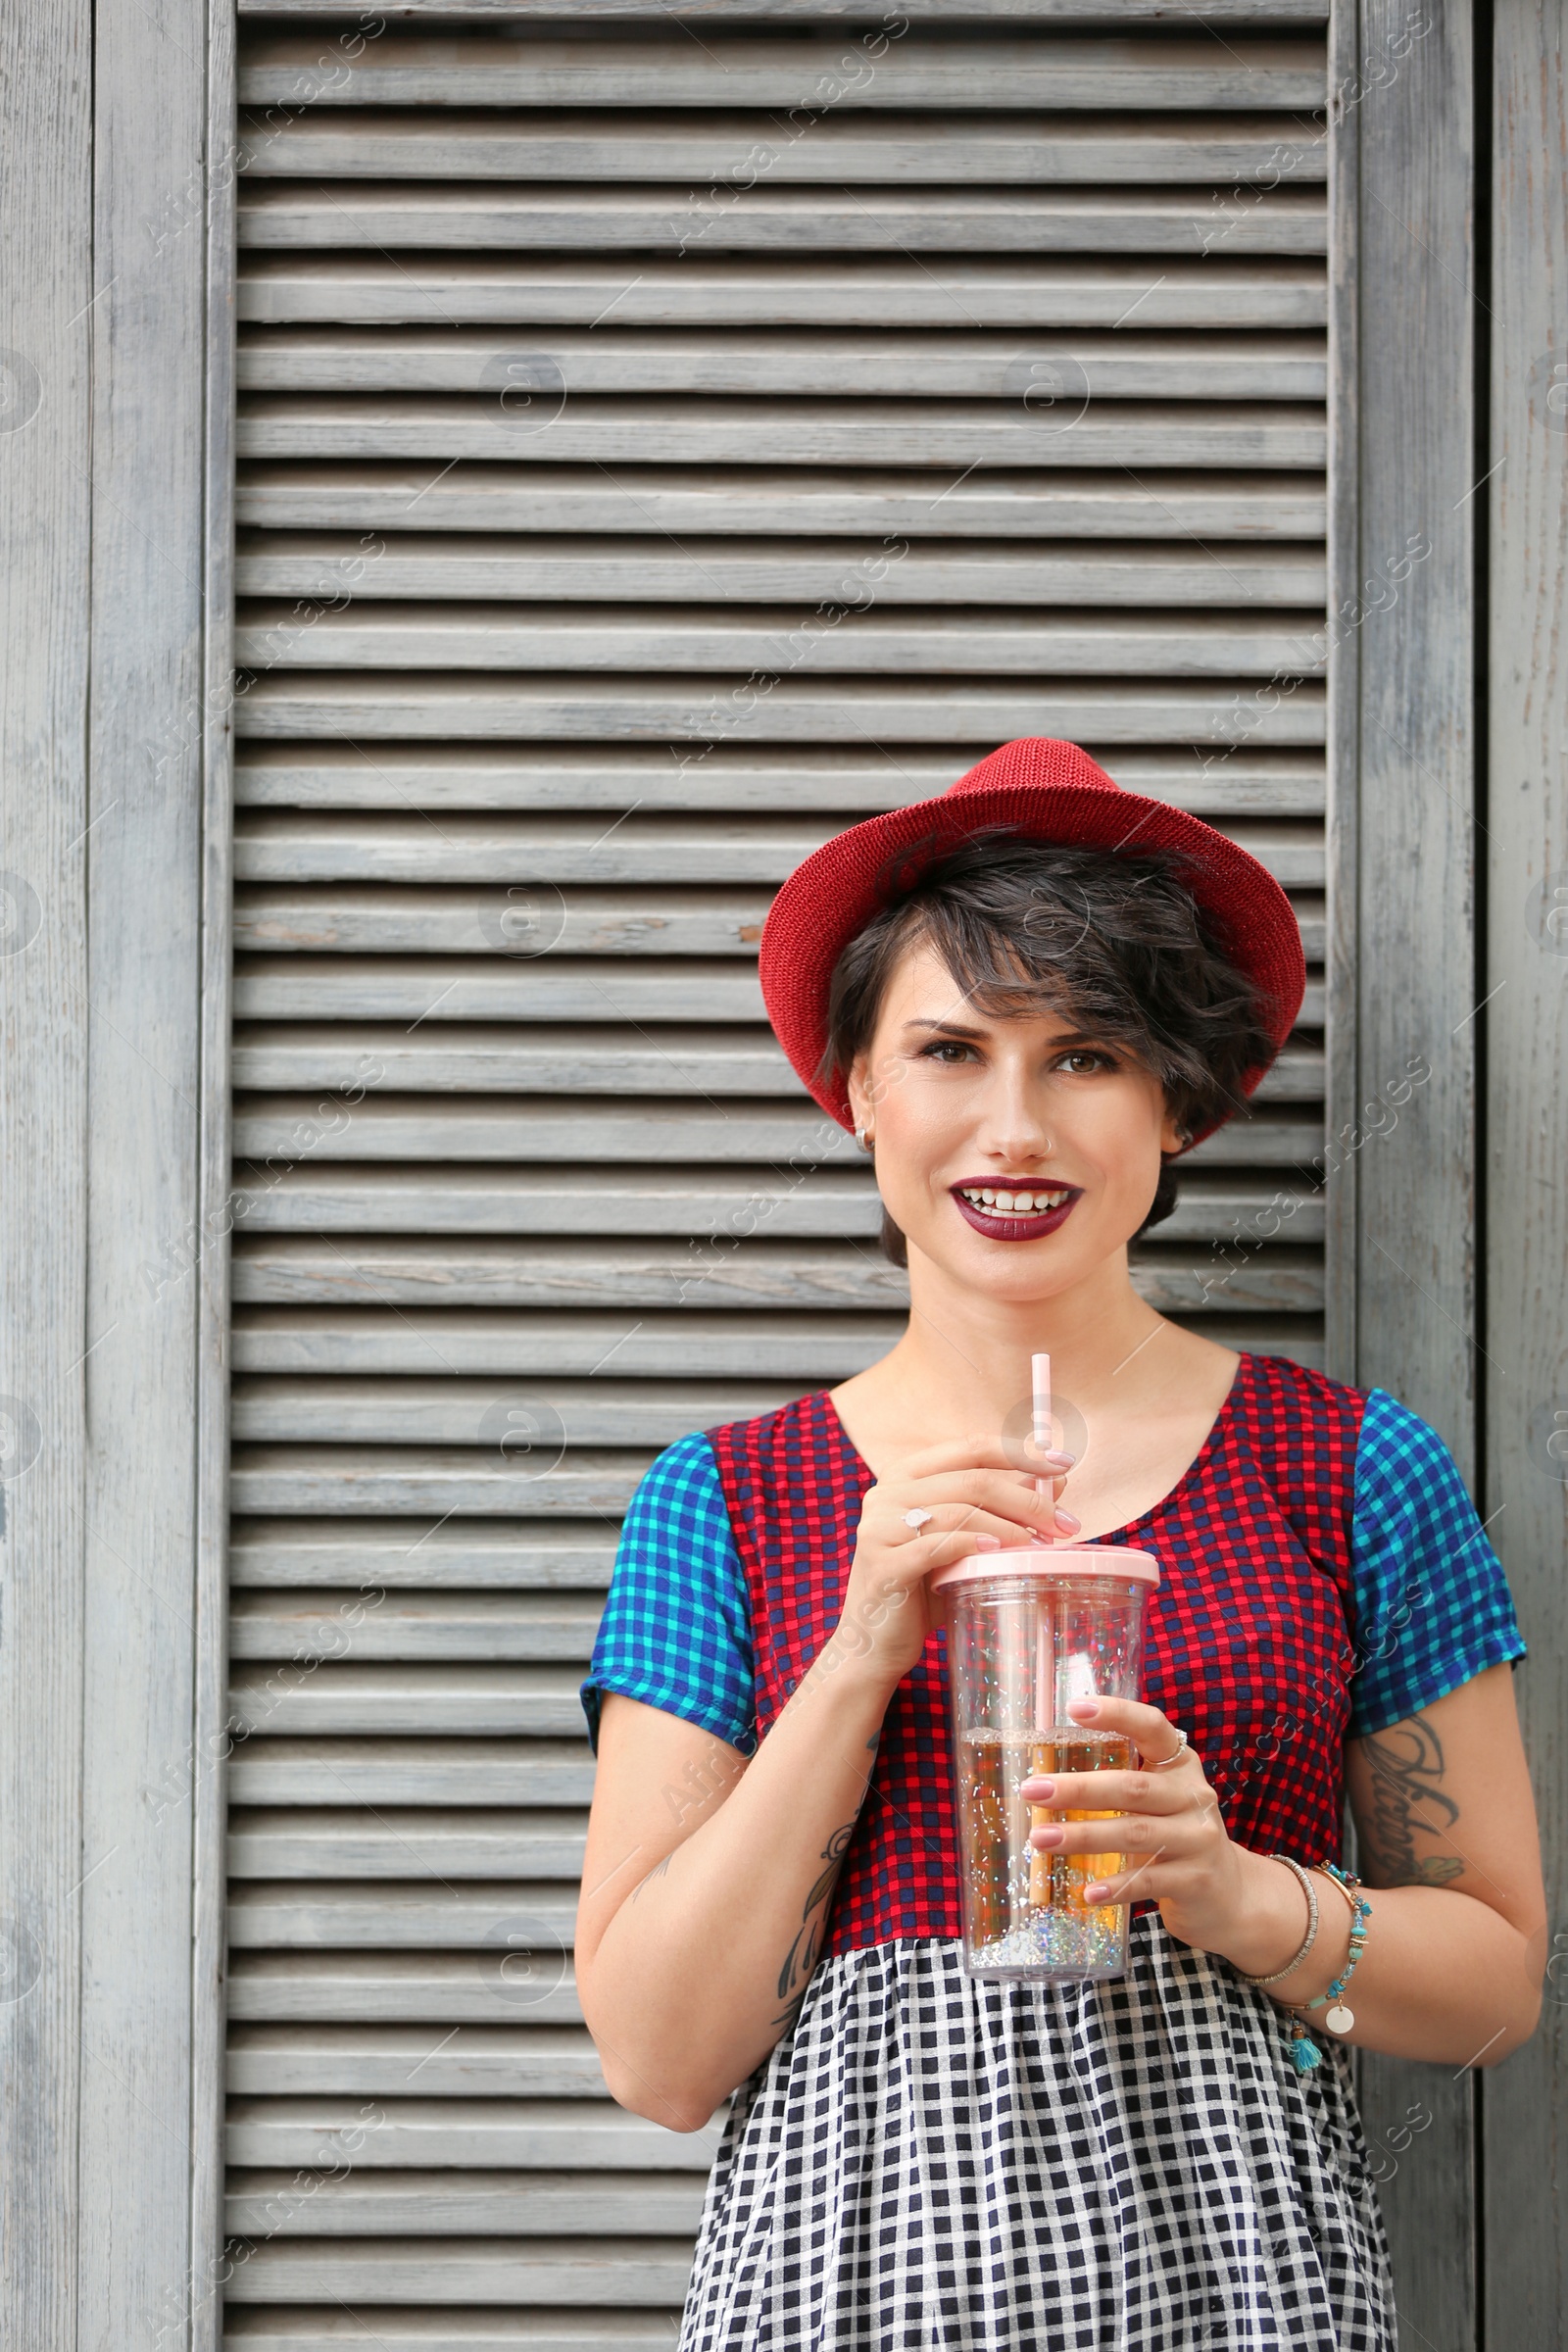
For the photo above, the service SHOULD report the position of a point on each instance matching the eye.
(1086, 1062)
(947, 1049)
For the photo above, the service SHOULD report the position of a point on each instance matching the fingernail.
(1046, 1838)
(1064, 1461)
(1083, 1711)
(988, 1542)
(1039, 1792)
(1068, 1519)
(1096, 1893)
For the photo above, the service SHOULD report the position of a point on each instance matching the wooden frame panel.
(104, 479)
(1526, 2287)
(45, 451)
(1406, 1218)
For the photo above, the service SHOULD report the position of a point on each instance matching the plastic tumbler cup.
(1028, 1631)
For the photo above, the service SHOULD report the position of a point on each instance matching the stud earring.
(865, 1138)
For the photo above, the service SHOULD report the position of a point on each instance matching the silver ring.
(918, 1518)
(1166, 1762)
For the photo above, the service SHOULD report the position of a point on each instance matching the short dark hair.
(1114, 942)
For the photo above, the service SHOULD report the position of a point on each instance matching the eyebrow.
(958, 1029)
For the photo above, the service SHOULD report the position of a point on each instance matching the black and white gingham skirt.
(930, 2161)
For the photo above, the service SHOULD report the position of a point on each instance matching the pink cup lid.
(1053, 1559)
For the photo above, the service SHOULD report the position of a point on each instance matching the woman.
(1028, 997)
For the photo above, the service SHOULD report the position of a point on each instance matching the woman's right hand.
(977, 1500)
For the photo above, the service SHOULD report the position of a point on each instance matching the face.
(1017, 1153)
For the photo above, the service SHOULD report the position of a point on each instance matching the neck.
(968, 1354)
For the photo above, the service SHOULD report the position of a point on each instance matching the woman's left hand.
(1166, 1825)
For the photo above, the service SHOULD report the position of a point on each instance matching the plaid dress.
(928, 2160)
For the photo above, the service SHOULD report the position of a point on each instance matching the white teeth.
(1013, 1203)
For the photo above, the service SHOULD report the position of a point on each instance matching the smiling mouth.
(1016, 1212)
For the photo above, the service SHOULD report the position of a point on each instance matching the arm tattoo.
(1406, 1767)
(802, 1954)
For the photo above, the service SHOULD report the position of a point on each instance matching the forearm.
(704, 1965)
(1443, 1976)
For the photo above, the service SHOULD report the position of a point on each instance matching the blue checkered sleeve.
(1433, 1606)
(676, 1631)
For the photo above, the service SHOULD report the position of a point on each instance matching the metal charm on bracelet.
(1339, 2019)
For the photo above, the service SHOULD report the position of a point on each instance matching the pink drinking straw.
(1045, 1680)
(1040, 1371)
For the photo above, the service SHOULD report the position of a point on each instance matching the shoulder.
(1301, 1429)
(1275, 1385)
(679, 1502)
(1433, 1601)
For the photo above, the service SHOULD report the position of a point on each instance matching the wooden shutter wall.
(660, 445)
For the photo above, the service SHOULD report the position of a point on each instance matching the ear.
(857, 1087)
(1172, 1136)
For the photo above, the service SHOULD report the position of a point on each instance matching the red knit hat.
(1051, 792)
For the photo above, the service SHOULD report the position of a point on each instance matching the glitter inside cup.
(1027, 1634)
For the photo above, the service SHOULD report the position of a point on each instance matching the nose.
(1013, 1128)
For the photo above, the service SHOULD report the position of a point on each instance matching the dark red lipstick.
(1015, 1214)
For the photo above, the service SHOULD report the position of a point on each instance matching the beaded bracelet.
(1301, 1950)
(1339, 2018)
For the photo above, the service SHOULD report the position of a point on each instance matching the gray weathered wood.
(868, 501)
(480, 2204)
(403, 1480)
(272, 2059)
(314, 1699)
(1289, 13)
(1284, 222)
(1410, 1194)
(737, 149)
(853, 779)
(391, 1771)
(141, 2012)
(778, 363)
(324, 2327)
(325, 1842)
(492, 2133)
(666, 70)
(371, 1553)
(520, 1914)
(775, 639)
(698, 715)
(209, 1645)
(372, 1986)
(360, 288)
(430, 1625)
(521, 919)
(1525, 1370)
(49, 1317)
(551, 988)
(458, 2271)
(638, 429)
(277, 564)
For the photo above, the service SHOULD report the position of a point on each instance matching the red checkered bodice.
(1248, 1641)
